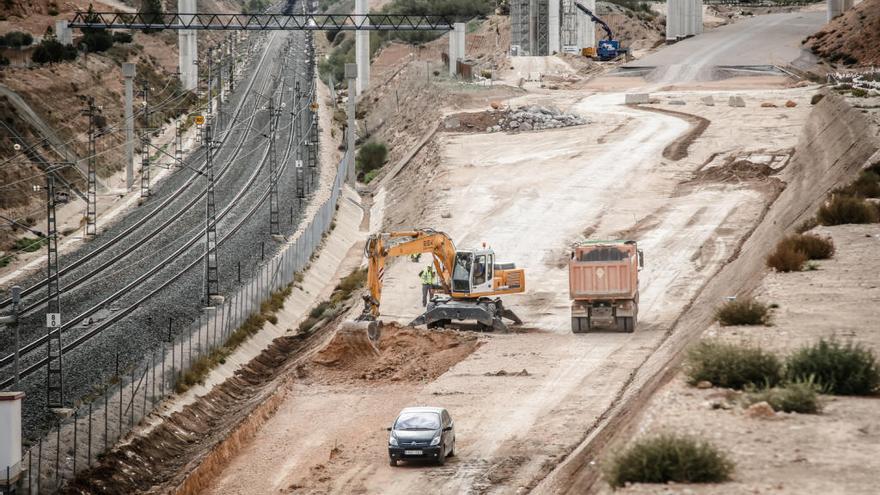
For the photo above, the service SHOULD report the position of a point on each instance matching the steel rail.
(160, 207)
(155, 269)
(125, 312)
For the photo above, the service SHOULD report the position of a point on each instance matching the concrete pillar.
(670, 21)
(128, 72)
(554, 18)
(10, 436)
(456, 46)
(699, 16)
(63, 34)
(351, 75)
(689, 17)
(362, 48)
(835, 8)
(586, 28)
(187, 44)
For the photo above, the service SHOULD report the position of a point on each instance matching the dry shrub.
(786, 258)
(793, 251)
(743, 312)
(842, 209)
(669, 458)
(814, 246)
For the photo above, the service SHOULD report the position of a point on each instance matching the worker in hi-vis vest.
(429, 280)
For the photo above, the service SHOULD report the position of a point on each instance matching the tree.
(50, 51)
(15, 39)
(96, 39)
(151, 13)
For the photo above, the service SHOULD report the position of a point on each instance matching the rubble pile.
(536, 117)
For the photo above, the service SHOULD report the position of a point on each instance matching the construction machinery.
(470, 281)
(603, 279)
(609, 48)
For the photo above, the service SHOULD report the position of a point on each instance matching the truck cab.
(604, 285)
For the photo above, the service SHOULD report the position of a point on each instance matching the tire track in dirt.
(678, 149)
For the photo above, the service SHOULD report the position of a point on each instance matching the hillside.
(851, 39)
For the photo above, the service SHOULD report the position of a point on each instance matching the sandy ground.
(530, 196)
(833, 452)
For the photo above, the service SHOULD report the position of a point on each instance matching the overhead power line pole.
(91, 204)
(212, 280)
(273, 170)
(145, 144)
(55, 373)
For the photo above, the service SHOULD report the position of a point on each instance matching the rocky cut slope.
(851, 39)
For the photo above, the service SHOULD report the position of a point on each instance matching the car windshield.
(418, 421)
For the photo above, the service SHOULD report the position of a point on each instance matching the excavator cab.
(473, 272)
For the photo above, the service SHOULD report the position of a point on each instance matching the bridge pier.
(187, 45)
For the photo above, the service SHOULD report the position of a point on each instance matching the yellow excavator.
(470, 280)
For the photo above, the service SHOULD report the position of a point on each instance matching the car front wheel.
(392, 462)
(441, 457)
(452, 449)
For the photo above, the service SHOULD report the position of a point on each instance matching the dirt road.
(530, 196)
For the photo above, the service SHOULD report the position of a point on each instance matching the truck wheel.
(626, 324)
(575, 324)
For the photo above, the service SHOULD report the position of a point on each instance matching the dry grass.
(253, 324)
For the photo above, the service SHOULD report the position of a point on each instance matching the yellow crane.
(470, 280)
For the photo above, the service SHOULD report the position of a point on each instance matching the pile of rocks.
(536, 117)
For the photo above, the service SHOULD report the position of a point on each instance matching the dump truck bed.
(604, 271)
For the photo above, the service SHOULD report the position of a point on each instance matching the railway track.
(5, 303)
(118, 315)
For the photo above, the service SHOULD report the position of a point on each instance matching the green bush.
(798, 397)
(732, 366)
(842, 369)
(29, 244)
(122, 37)
(456, 10)
(51, 51)
(743, 312)
(669, 458)
(3, 61)
(843, 209)
(371, 156)
(369, 176)
(15, 39)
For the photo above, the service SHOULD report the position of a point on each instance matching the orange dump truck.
(603, 280)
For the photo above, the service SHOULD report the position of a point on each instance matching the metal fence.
(129, 396)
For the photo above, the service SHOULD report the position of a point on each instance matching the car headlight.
(392, 441)
(435, 440)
